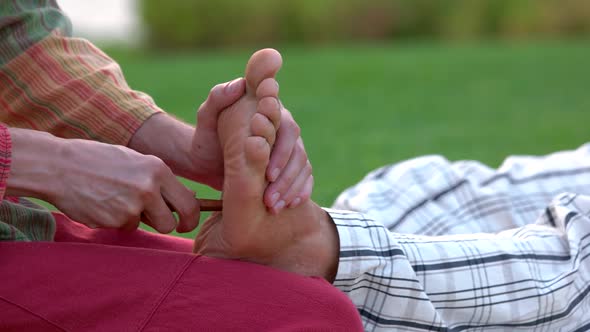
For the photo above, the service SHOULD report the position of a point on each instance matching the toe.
(261, 126)
(257, 152)
(269, 87)
(263, 64)
(271, 109)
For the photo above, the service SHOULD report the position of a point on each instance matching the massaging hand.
(289, 170)
(196, 154)
(99, 185)
(124, 185)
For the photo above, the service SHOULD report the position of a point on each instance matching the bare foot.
(301, 240)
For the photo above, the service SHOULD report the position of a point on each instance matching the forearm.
(167, 138)
(33, 172)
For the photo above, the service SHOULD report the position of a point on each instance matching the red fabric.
(70, 231)
(78, 286)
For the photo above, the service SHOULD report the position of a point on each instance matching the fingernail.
(232, 87)
(295, 202)
(274, 174)
(273, 198)
(279, 206)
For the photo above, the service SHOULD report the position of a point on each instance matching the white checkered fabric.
(433, 245)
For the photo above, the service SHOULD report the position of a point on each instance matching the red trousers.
(109, 280)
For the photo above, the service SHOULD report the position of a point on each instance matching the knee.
(267, 299)
(332, 309)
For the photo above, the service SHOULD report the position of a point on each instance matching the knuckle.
(156, 166)
(201, 110)
(308, 168)
(288, 114)
(147, 191)
(289, 178)
(296, 129)
(215, 89)
(211, 97)
(150, 161)
(133, 212)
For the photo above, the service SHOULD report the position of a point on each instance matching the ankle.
(316, 252)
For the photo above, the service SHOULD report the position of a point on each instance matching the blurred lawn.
(366, 106)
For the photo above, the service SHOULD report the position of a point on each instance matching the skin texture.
(96, 184)
(126, 185)
(303, 239)
(196, 153)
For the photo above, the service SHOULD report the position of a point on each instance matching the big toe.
(263, 64)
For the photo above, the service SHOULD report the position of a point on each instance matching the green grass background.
(361, 107)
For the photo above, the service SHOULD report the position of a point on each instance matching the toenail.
(279, 205)
(274, 174)
(273, 198)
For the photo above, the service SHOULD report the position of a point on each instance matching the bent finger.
(181, 200)
(286, 138)
(159, 216)
(304, 194)
(220, 97)
(293, 194)
(274, 197)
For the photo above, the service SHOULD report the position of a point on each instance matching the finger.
(183, 202)
(287, 136)
(276, 190)
(131, 225)
(158, 216)
(305, 193)
(221, 96)
(297, 186)
(292, 195)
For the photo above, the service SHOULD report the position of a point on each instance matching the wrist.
(35, 164)
(167, 138)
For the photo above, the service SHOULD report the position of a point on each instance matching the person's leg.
(87, 287)
(536, 277)
(68, 230)
(433, 196)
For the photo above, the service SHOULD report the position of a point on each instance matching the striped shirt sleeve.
(59, 84)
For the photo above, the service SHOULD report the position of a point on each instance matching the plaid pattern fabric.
(430, 245)
(58, 84)
(20, 219)
(62, 85)
(25, 23)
